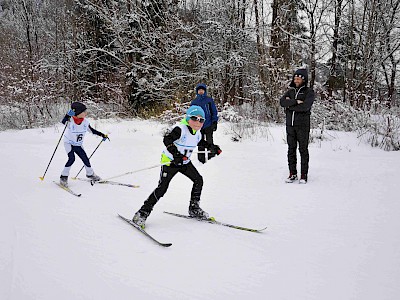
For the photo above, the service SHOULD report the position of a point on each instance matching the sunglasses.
(196, 118)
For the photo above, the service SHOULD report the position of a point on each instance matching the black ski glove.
(215, 124)
(215, 150)
(178, 157)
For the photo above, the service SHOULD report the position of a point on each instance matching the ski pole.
(136, 171)
(89, 158)
(144, 169)
(42, 177)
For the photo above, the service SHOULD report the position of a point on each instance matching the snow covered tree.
(31, 66)
(389, 47)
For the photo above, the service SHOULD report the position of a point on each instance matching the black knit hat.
(78, 108)
(303, 74)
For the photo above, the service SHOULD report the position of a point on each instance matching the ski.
(115, 183)
(213, 221)
(67, 189)
(144, 232)
(108, 182)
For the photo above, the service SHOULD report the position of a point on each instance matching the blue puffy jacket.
(207, 104)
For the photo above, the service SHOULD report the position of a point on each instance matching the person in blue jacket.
(211, 116)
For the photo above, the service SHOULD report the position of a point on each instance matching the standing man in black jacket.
(297, 102)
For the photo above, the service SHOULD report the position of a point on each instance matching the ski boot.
(94, 177)
(140, 218)
(196, 212)
(64, 181)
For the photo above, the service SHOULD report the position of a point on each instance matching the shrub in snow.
(244, 122)
(380, 128)
(382, 131)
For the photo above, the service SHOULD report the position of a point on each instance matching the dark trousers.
(298, 135)
(166, 175)
(81, 153)
(207, 135)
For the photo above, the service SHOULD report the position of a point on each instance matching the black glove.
(66, 119)
(178, 157)
(215, 125)
(215, 150)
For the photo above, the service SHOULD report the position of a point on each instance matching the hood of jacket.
(300, 73)
(201, 86)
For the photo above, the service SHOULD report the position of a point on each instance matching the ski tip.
(123, 218)
(256, 230)
(41, 178)
(74, 178)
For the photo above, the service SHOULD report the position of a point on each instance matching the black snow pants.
(207, 135)
(166, 174)
(298, 135)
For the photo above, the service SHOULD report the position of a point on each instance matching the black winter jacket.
(298, 114)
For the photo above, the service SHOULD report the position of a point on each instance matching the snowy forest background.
(129, 58)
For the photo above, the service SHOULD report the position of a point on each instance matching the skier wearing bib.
(179, 145)
(73, 140)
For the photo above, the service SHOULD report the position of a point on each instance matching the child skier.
(73, 139)
(179, 145)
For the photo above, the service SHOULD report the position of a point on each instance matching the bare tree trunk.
(332, 81)
(351, 58)
(388, 15)
(280, 41)
(242, 14)
(261, 53)
(27, 20)
(313, 52)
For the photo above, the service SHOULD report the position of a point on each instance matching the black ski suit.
(298, 123)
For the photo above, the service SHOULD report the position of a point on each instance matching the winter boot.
(292, 177)
(303, 178)
(140, 218)
(93, 177)
(64, 180)
(196, 212)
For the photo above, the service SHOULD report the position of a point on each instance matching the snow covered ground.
(335, 238)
